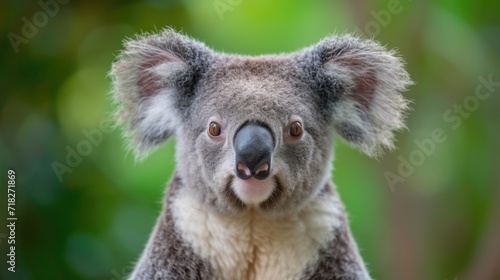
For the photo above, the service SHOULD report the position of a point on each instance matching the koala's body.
(251, 197)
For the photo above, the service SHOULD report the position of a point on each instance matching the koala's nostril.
(262, 168)
(262, 172)
(242, 171)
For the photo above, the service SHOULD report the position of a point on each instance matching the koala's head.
(258, 131)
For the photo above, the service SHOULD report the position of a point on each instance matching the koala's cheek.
(297, 160)
(213, 163)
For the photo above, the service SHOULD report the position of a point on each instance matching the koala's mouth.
(253, 192)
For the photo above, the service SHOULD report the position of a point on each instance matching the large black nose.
(253, 145)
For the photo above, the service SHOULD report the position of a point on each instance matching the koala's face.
(257, 131)
(257, 134)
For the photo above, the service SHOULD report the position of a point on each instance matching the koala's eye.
(214, 129)
(295, 129)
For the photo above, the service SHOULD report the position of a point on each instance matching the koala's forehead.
(256, 87)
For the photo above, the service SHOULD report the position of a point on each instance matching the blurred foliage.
(441, 222)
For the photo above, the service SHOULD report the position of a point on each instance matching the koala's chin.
(252, 192)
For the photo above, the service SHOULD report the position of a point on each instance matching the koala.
(252, 195)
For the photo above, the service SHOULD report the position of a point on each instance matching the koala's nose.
(253, 146)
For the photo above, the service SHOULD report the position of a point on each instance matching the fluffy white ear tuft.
(362, 83)
(153, 82)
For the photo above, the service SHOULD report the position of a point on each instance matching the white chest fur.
(253, 246)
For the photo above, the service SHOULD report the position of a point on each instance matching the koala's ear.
(154, 79)
(360, 85)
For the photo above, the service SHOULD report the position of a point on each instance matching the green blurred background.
(441, 220)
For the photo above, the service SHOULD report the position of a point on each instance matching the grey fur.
(168, 256)
(343, 85)
(339, 259)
